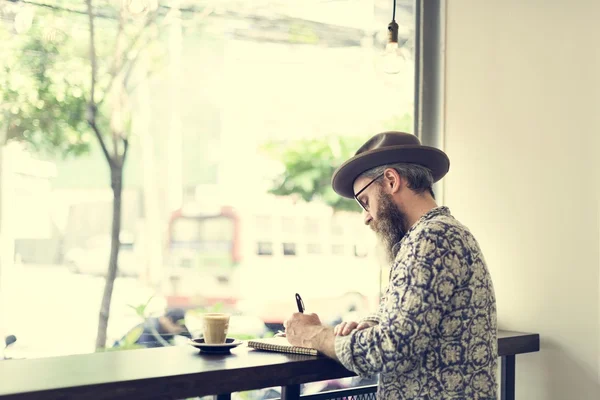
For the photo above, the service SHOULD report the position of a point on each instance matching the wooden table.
(180, 371)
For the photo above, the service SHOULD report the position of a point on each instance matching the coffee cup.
(215, 329)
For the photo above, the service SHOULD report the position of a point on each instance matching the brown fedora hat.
(388, 148)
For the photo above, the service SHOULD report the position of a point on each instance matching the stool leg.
(507, 378)
(290, 392)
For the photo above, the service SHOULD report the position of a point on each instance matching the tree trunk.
(116, 177)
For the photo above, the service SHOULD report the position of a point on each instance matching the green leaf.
(309, 165)
(133, 335)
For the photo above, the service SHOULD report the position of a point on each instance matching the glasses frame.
(365, 207)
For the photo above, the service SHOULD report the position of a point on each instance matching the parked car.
(93, 257)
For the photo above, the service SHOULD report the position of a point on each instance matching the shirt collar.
(434, 212)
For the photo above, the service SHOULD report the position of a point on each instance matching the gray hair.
(420, 178)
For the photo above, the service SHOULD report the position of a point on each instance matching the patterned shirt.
(436, 333)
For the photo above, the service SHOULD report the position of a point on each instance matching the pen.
(300, 303)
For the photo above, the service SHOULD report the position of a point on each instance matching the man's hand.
(301, 329)
(344, 328)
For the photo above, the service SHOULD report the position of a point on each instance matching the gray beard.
(390, 227)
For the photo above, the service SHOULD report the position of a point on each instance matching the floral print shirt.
(436, 333)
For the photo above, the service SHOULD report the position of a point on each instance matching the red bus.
(202, 252)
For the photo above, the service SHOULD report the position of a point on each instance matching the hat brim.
(434, 159)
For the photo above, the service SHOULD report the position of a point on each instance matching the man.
(435, 334)
(159, 331)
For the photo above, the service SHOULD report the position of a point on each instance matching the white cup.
(215, 328)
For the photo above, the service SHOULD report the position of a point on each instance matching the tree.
(59, 92)
(309, 165)
(138, 26)
(115, 157)
(40, 104)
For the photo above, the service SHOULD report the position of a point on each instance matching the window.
(360, 251)
(311, 226)
(337, 229)
(234, 116)
(337, 249)
(264, 248)
(263, 224)
(289, 249)
(313, 248)
(288, 225)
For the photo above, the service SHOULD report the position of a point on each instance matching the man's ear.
(393, 182)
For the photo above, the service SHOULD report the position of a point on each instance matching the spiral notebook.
(280, 345)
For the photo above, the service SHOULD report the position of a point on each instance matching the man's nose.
(367, 217)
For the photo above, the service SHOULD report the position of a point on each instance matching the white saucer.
(229, 344)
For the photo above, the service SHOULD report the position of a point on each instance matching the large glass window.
(228, 119)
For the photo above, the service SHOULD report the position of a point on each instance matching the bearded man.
(435, 333)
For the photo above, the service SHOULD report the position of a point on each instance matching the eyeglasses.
(365, 206)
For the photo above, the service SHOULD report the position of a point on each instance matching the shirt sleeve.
(370, 318)
(375, 317)
(419, 294)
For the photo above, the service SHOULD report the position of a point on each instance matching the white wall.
(521, 110)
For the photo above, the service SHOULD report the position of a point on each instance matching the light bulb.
(392, 59)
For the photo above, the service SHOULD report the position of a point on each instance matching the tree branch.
(93, 61)
(132, 88)
(129, 64)
(117, 54)
(102, 144)
(133, 61)
(115, 74)
(117, 59)
(115, 145)
(92, 107)
(125, 148)
(119, 67)
(206, 12)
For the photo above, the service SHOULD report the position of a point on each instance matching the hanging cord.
(393, 27)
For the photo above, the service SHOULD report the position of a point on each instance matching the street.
(55, 312)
